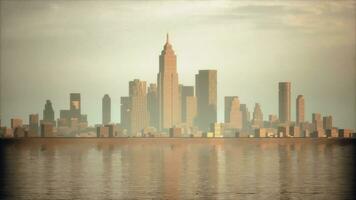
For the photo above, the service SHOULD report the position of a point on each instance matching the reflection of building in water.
(208, 170)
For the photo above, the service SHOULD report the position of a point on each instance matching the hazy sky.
(52, 48)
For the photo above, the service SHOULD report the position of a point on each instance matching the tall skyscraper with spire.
(169, 111)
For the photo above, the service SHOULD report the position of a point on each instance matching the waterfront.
(177, 168)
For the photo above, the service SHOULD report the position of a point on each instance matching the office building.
(257, 119)
(33, 125)
(152, 105)
(134, 110)
(300, 110)
(48, 113)
(245, 116)
(284, 102)
(317, 122)
(16, 122)
(190, 110)
(185, 91)
(328, 122)
(233, 114)
(206, 93)
(106, 109)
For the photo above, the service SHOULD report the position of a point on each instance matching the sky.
(49, 49)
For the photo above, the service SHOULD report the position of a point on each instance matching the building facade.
(139, 117)
(152, 105)
(106, 109)
(300, 110)
(206, 93)
(233, 114)
(169, 111)
(284, 102)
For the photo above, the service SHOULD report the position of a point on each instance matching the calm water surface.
(177, 169)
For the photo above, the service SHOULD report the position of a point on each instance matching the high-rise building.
(16, 122)
(328, 122)
(73, 114)
(245, 116)
(233, 114)
(33, 125)
(317, 121)
(185, 91)
(106, 109)
(125, 112)
(284, 102)
(152, 105)
(190, 110)
(75, 105)
(139, 113)
(257, 119)
(168, 89)
(206, 93)
(48, 113)
(300, 109)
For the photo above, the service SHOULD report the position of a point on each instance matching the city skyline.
(254, 80)
(206, 76)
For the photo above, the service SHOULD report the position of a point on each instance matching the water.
(177, 168)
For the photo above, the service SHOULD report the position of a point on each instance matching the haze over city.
(51, 49)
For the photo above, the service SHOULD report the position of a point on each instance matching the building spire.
(167, 38)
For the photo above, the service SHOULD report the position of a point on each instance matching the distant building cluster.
(170, 109)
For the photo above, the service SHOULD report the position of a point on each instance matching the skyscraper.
(106, 109)
(139, 113)
(185, 91)
(257, 120)
(75, 105)
(152, 105)
(206, 93)
(328, 122)
(300, 109)
(33, 125)
(190, 110)
(317, 121)
(48, 112)
(73, 114)
(284, 102)
(233, 114)
(168, 89)
(245, 116)
(125, 109)
(16, 122)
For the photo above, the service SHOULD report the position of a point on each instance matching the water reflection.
(177, 169)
